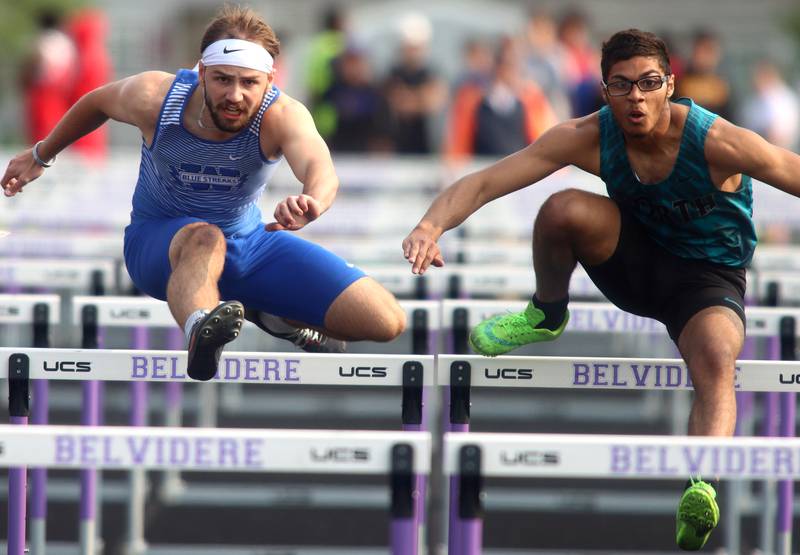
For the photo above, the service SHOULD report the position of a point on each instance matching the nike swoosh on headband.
(226, 51)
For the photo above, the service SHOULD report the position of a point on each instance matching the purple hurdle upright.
(787, 429)
(465, 536)
(732, 513)
(38, 514)
(407, 487)
(423, 342)
(465, 528)
(137, 478)
(769, 428)
(786, 487)
(404, 527)
(19, 409)
(172, 482)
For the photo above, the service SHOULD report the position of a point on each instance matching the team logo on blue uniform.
(208, 178)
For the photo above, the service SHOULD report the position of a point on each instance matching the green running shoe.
(505, 332)
(697, 516)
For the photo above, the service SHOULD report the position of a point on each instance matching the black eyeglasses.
(622, 87)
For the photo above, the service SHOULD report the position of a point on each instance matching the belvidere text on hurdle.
(198, 452)
(253, 369)
(705, 460)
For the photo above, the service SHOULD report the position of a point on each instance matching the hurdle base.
(135, 547)
(38, 535)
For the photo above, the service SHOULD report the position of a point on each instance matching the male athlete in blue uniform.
(211, 141)
(670, 243)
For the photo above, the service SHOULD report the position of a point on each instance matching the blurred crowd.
(67, 59)
(509, 90)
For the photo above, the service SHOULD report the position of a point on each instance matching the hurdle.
(96, 275)
(409, 373)
(95, 314)
(469, 457)
(401, 455)
(144, 313)
(40, 312)
(478, 281)
(463, 372)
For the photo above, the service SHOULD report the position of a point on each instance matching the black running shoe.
(220, 326)
(307, 339)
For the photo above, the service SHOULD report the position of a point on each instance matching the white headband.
(240, 53)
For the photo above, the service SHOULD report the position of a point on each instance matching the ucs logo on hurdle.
(789, 379)
(129, 314)
(340, 454)
(67, 366)
(9, 310)
(508, 373)
(363, 371)
(530, 458)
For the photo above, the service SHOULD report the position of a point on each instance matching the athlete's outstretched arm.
(735, 150)
(562, 145)
(310, 160)
(134, 100)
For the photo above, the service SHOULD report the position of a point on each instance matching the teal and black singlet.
(685, 214)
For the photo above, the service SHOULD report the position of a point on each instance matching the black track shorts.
(644, 278)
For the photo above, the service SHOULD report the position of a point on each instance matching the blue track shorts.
(276, 272)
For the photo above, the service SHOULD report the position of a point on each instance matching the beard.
(221, 123)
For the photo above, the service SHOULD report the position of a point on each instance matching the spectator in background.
(581, 61)
(774, 110)
(283, 73)
(324, 49)
(360, 107)
(47, 76)
(505, 116)
(676, 61)
(545, 61)
(88, 29)
(478, 63)
(467, 91)
(702, 81)
(414, 92)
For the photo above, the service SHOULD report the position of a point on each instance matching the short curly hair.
(237, 22)
(628, 44)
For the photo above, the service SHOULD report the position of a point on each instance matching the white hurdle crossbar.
(410, 373)
(626, 456)
(602, 317)
(402, 455)
(19, 309)
(469, 457)
(604, 373)
(58, 273)
(204, 449)
(234, 367)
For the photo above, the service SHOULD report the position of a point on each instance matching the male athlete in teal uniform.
(211, 139)
(670, 243)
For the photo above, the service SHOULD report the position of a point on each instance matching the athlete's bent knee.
(390, 323)
(713, 367)
(564, 209)
(197, 238)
